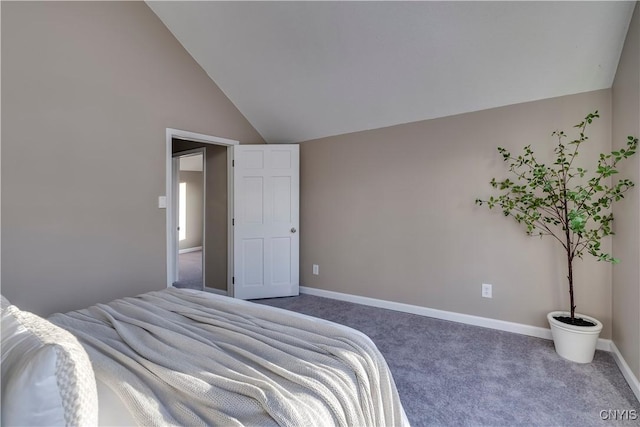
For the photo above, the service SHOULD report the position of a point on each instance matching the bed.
(184, 357)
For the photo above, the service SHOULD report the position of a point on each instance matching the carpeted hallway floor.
(450, 374)
(189, 270)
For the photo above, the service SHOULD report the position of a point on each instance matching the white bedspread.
(179, 357)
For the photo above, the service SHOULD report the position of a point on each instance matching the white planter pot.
(574, 343)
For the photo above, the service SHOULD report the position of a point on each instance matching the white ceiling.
(305, 70)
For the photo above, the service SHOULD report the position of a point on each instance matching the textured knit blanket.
(179, 357)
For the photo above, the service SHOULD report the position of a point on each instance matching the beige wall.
(88, 89)
(194, 208)
(390, 214)
(217, 213)
(626, 243)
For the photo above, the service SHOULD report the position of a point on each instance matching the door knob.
(293, 229)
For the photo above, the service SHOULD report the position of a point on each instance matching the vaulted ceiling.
(305, 70)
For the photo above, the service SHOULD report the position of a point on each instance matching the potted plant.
(572, 205)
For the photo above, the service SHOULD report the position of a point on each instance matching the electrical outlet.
(316, 269)
(487, 291)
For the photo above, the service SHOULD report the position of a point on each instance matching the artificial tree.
(562, 200)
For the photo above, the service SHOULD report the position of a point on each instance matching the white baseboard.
(626, 371)
(501, 325)
(187, 250)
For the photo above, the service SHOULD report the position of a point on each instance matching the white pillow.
(47, 378)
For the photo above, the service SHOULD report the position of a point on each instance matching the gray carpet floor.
(451, 374)
(189, 270)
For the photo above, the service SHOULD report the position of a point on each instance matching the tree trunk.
(570, 277)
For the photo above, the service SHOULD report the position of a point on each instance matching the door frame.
(171, 219)
(175, 206)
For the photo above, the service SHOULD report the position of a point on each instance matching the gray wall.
(194, 208)
(390, 214)
(626, 243)
(88, 89)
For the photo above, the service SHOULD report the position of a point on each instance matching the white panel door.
(266, 221)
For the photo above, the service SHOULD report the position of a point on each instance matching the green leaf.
(561, 197)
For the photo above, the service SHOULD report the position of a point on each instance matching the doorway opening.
(190, 178)
(213, 230)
